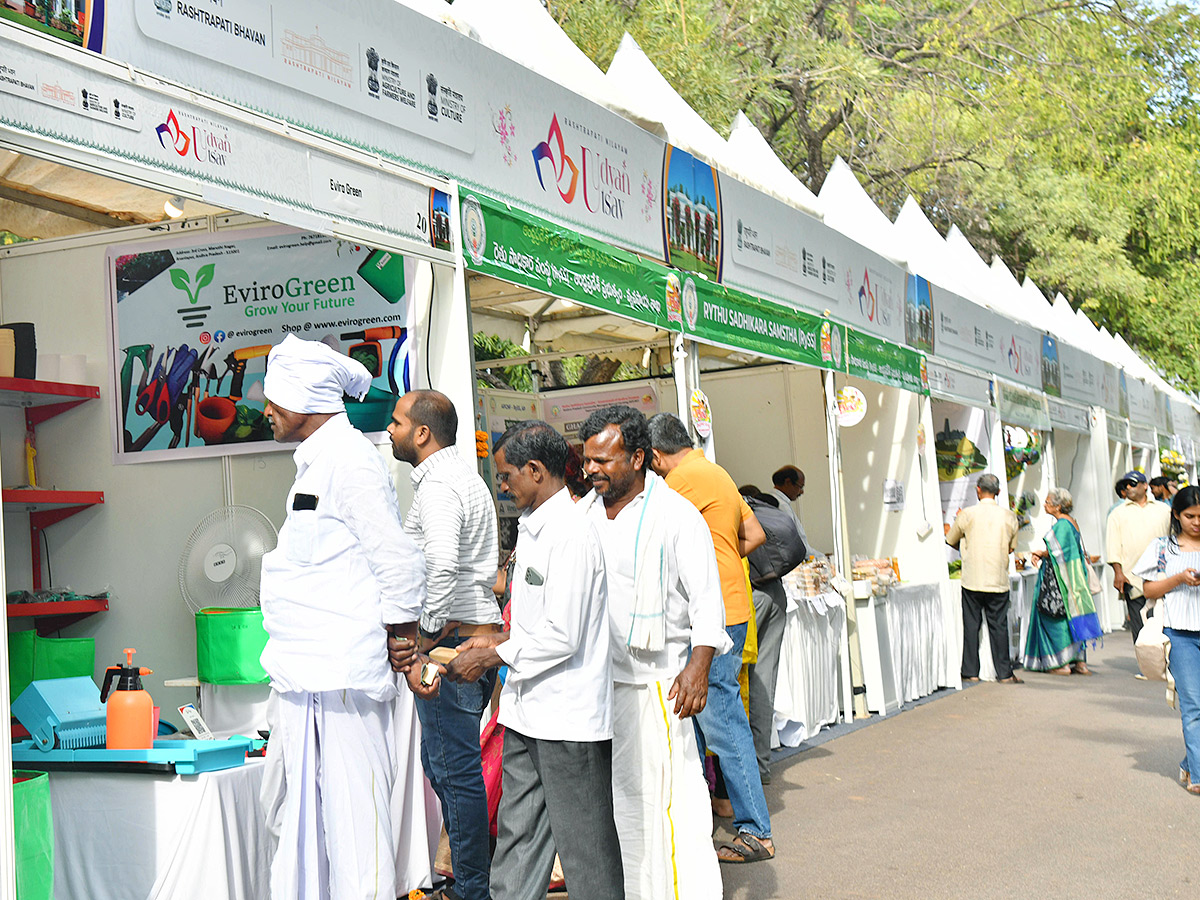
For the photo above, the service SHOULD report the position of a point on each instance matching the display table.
(918, 638)
(167, 837)
(806, 694)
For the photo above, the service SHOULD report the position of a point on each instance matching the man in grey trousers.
(557, 703)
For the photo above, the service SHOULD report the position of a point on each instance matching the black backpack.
(783, 550)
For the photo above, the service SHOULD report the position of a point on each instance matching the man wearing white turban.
(343, 576)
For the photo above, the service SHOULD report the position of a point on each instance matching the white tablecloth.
(916, 625)
(806, 694)
(178, 837)
(167, 837)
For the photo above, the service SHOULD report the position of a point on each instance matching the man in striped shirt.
(453, 521)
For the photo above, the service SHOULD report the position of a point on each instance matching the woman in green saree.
(1063, 616)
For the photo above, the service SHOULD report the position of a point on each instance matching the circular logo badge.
(851, 406)
(474, 231)
(701, 413)
(674, 299)
(691, 305)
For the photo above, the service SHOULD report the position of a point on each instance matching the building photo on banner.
(194, 321)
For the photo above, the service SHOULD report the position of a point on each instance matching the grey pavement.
(1061, 787)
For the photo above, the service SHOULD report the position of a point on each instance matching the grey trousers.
(770, 616)
(557, 797)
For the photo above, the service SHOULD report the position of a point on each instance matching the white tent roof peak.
(924, 247)
(850, 210)
(526, 33)
(632, 72)
(752, 160)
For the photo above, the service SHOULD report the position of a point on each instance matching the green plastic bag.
(228, 645)
(63, 657)
(33, 829)
(20, 661)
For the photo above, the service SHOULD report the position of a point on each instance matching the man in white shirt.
(342, 577)
(667, 623)
(453, 521)
(789, 487)
(556, 705)
(988, 534)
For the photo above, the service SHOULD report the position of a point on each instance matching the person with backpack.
(783, 550)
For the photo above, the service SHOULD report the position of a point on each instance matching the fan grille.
(222, 560)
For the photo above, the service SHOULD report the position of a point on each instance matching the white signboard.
(1118, 429)
(1082, 375)
(1020, 406)
(1141, 402)
(1141, 435)
(976, 336)
(1111, 395)
(1064, 414)
(956, 384)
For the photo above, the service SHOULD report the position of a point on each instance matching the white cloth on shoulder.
(648, 625)
(660, 799)
(311, 377)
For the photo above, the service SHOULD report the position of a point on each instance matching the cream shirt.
(1131, 528)
(988, 533)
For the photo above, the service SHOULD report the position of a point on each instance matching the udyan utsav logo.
(198, 140)
(598, 177)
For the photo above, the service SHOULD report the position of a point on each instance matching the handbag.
(1153, 649)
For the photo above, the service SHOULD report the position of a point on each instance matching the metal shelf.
(44, 400)
(56, 614)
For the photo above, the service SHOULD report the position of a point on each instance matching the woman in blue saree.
(1063, 616)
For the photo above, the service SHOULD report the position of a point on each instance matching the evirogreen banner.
(875, 360)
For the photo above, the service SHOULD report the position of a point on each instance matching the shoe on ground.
(1140, 677)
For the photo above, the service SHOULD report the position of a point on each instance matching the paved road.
(1059, 788)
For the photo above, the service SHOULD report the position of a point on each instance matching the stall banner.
(961, 447)
(1051, 368)
(502, 409)
(875, 360)
(1112, 390)
(691, 211)
(1118, 429)
(955, 384)
(975, 336)
(1021, 406)
(1141, 402)
(568, 409)
(514, 246)
(1164, 421)
(234, 162)
(1082, 375)
(1183, 414)
(1064, 414)
(1142, 435)
(397, 84)
(192, 322)
(790, 257)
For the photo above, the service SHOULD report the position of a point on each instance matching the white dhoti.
(327, 793)
(660, 799)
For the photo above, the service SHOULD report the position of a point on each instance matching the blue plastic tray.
(182, 757)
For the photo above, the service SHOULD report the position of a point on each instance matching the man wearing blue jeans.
(722, 725)
(453, 521)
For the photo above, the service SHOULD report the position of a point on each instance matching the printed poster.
(961, 446)
(500, 411)
(192, 323)
(569, 409)
(691, 214)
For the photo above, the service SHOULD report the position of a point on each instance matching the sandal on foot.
(748, 849)
(1081, 669)
(1011, 679)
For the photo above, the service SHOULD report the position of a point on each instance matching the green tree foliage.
(1062, 135)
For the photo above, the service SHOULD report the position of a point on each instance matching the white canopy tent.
(754, 162)
(851, 211)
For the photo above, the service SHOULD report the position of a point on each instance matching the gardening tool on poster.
(370, 353)
(144, 353)
(203, 368)
(177, 387)
(154, 400)
(235, 363)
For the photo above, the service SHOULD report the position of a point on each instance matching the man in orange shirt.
(722, 723)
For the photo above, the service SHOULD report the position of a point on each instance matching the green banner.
(876, 360)
(514, 246)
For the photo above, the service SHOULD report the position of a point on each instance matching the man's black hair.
(534, 439)
(634, 430)
(1121, 486)
(784, 475)
(434, 410)
(1162, 481)
(668, 434)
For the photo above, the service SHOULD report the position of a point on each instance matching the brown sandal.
(748, 849)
